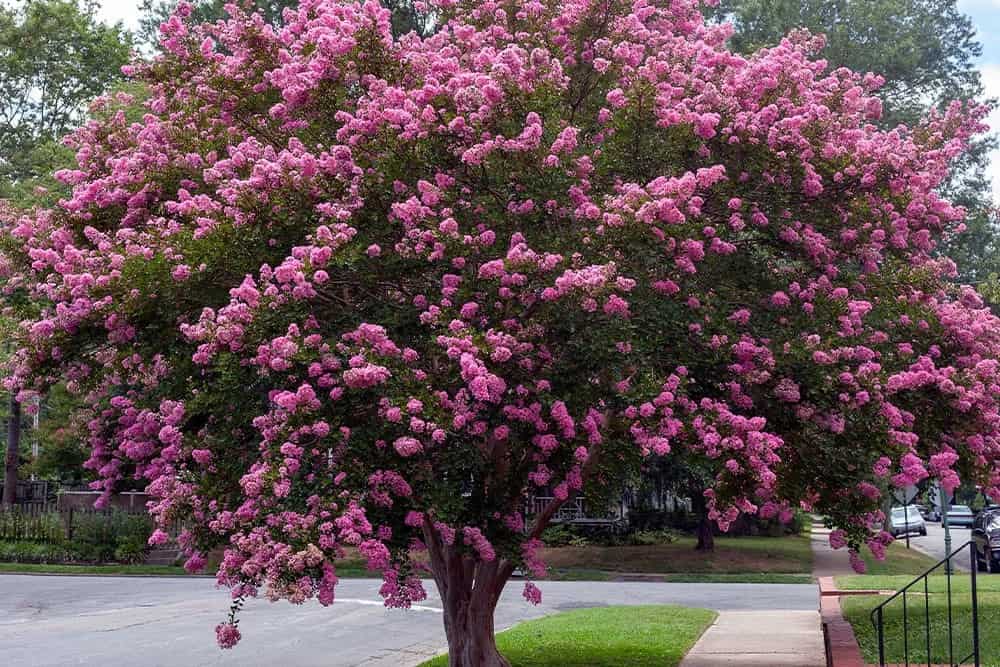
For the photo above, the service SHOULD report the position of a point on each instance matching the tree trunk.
(706, 534)
(469, 593)
(471, 642)
(13, 445)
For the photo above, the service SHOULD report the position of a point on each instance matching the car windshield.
(900, 512)
(960, 509)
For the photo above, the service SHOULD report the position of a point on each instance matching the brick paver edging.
(841, 644)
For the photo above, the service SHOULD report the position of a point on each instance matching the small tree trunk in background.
(706, 534)
(705, 530)
(13, 445)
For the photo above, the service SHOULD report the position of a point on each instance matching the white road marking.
(377, 603)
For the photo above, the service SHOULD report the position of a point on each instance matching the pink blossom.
(228, 635)
(407, 446)
(532, 594)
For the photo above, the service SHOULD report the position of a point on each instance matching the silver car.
(906, 520)
(960, 515)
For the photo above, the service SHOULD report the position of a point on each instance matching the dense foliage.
(337, 288)
(404, 17)
(91, 537)
(925, 49)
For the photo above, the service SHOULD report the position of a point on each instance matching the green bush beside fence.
(35, 535)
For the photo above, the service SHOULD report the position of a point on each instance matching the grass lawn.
(692, 578)
(735, 560)
(742, 578)
(857, 610)
(899, 560)
(900, 567)
(938, 583)
(603, 637)
(732, 555)
(347, 570)
(112, 570)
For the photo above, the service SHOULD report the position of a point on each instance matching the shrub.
(528, 252)
(25, 551)
(652, 537)
(101, 537)
(559, 535)
(18, 524)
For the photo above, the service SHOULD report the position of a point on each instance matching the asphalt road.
(48, 621)
(933, 543)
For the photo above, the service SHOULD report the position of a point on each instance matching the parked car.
(986, 536)
(906, 520)
(929, 512)
(960, 515)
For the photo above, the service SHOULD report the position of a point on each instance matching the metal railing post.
(881, 639)
(975, 605)
(927, 617)
(906, 632)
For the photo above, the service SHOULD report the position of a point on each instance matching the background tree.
(55, 56)
(339, 289)
(926, 50)
(10, 414)
(62, 453)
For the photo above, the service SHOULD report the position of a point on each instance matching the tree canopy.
(404, 17)
(925, 49)
(927, 52)
(341, 288)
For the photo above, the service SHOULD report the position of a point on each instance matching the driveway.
(48, 621)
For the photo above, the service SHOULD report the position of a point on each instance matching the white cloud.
(991, 82)
(126, 11)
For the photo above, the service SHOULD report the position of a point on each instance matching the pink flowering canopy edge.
(333, 289)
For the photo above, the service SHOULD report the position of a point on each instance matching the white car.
(906, 520)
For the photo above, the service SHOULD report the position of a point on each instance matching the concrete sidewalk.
(827, 561)
(786, 638)
(778, 638)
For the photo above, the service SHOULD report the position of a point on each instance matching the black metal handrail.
(878, 618)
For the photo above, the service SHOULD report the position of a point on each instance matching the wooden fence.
(44, 523)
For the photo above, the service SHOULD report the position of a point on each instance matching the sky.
(985, 16)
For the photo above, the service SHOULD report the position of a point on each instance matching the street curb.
(841, 645)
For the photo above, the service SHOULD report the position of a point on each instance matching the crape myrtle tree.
(338, 289)
(404, 16)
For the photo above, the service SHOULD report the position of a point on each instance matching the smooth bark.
(470, 590)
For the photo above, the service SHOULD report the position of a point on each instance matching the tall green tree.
(55, 56)
(926, 50)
